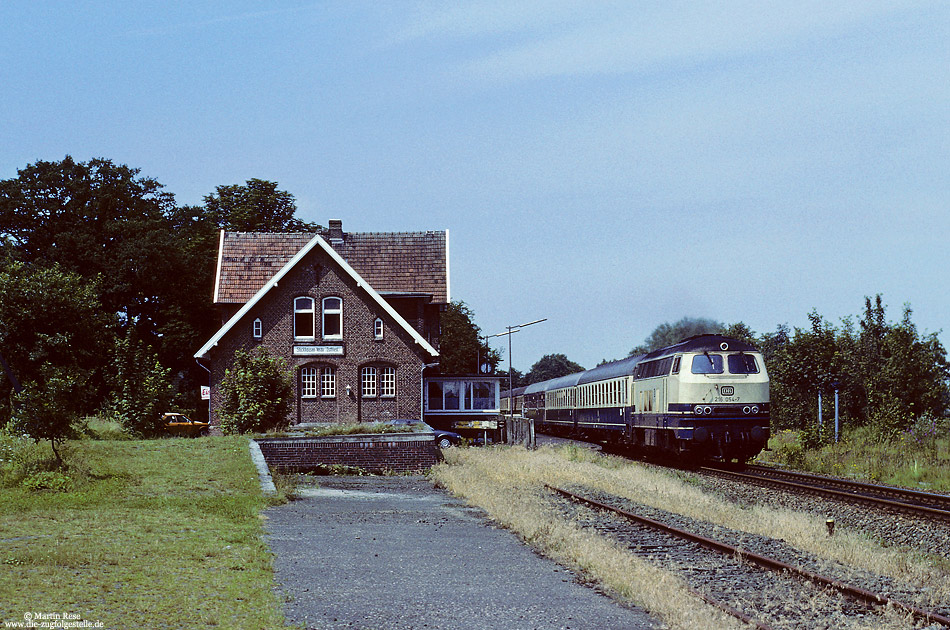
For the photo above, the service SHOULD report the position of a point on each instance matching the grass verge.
(918, 458)
(149, 533)
(507, 483)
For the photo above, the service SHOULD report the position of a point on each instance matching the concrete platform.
(388, 553)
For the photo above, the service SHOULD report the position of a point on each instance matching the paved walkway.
(388, 553)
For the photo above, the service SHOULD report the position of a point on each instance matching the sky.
(608, 166)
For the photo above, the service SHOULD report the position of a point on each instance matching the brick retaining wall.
(392, 452)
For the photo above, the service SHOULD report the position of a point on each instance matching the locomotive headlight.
(755, 409)
(707, 410)
(699, 410)
(746, 409)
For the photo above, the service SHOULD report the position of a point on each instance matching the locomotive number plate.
(727, 390)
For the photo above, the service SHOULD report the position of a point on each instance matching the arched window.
(387, 382)
(303, 318)
(258, 329)
(378, 328)
(318, 382)
(308, 382)
(368, 381)
(327, 382)
(332, 318)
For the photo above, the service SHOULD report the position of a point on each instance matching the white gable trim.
(448, 276)
(317, 241)
(217, 273)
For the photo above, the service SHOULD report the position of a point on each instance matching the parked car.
(181, 425)
(443, 439)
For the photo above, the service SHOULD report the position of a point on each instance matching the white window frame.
(327, 382)
(368, 381)
(257, 329)
(333, 312)
(304, 311)
(309, 382)
(387, 382)
(378, 329)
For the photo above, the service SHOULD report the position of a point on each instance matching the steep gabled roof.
(392, 262)
(315, 242)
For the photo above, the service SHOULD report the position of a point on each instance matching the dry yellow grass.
(507, 482)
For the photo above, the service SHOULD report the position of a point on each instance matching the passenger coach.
(706, 397)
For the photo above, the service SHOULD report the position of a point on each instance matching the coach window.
(303, 318)
(742, 364)
(706, 363)
(332, 318)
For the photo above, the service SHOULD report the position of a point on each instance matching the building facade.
(355, 317)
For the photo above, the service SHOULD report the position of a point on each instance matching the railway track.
(922, 504)
(733, 578)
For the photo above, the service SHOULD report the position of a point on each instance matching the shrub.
(47, 410)
(890, 418)
(48, 480)
(257, 391)
(142, 388)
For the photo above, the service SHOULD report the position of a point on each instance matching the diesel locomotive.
(704, 398)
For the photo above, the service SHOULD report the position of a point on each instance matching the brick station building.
(354, 315)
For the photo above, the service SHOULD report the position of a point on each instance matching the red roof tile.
(392, 262)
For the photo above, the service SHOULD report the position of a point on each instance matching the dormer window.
(258, 329)
(378, 329)
(332, 318)
(303, 318)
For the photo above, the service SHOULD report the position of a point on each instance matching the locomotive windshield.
(742, 364)
(706, 363)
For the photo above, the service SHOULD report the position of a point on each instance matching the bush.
(47, 410)
(257, 391)
(890, 418)
(142, 388)
(48, 480)
(21, 457)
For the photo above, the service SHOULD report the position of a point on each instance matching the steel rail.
(932, 498)
(850, 497)
(726, 608)
(765, 562)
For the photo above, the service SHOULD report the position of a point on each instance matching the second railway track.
(922, 504)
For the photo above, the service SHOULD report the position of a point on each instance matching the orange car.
(181, 425)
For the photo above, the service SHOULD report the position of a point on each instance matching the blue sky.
(607, 165)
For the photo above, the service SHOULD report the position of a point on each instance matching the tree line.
(106, 289)
(887, 375)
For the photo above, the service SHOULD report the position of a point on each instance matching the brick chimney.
(335, 232)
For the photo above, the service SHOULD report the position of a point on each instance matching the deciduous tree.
(256, 206)
(667, 334)
(461, 348)
(551, 366)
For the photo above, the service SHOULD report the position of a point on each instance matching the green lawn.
(152, 534)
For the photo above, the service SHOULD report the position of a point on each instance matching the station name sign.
(321, 351)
